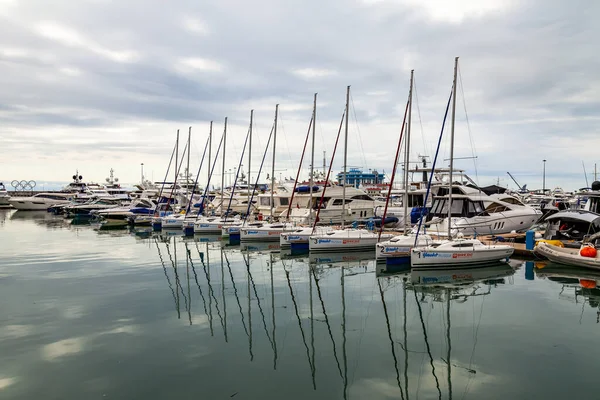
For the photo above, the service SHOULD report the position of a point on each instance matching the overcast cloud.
(100, 84)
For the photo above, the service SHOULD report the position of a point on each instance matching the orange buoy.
(587, 283)
(588, 251)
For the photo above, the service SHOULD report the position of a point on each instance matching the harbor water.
(124, 314)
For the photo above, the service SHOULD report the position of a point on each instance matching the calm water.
(90, 314)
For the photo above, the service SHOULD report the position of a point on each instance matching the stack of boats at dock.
(320, 216)
(435, 222)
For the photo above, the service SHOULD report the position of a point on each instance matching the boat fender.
(588, 250)
(556, 243)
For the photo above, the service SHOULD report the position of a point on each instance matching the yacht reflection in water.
(316, 304)
(443, 286)
(578, 285)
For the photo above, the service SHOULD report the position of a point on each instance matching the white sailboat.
(397, 249)
(211, 225)
(272, 230)
(461, 252)
(175, 221)
(345, 239)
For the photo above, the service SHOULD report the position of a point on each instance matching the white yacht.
(4, 197)
(359, 206)
(281, 202)
(477, 213)
(40, 201)
(86, 209)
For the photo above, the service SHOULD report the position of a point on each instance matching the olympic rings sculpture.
(23, 185)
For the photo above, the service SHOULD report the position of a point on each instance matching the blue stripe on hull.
(299, 246)
(397, 260)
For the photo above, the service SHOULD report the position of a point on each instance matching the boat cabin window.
(338, 202)
(460, 208)
(362, 197)
(265, 201)
(51, 196)
(415, 200)
(284, 201)
(512, 200)
(594, 203)
(317, 200)
(495, 208)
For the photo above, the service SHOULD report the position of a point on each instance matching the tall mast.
(176, 157)
(407, 153)
(449, 343)
(187, 170)
(250, 158)
(312, 159)
(209, 156)
(345, 156)
(223, 168)
(273, 165)
(452, 148)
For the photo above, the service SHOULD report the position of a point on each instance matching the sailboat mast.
(250, 157)
(449, 343)
(273, 164)
(407, 153)
(223, 167)
(176, 157)
(187, 169)
(452, 148)
(312, 159)
(209, 156)
(345, 156)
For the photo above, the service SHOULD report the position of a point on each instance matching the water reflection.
(263, 324)
(577, 285)
(299, 280)
(445, 286)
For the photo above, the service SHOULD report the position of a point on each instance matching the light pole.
(544, 178)
(142, 173)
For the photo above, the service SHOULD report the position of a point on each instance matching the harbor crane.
(523, 188)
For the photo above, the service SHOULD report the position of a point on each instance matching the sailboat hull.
(346, 240)
(264, 233)
(432, 257)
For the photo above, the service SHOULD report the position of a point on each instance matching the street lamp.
(544, 178)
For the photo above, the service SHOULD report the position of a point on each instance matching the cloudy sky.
(99, 84)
